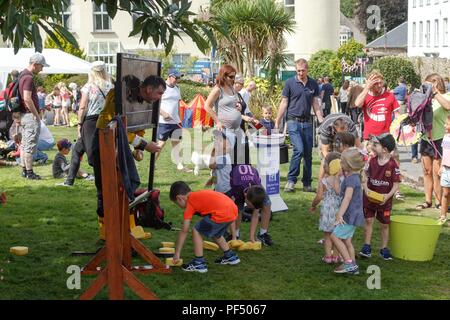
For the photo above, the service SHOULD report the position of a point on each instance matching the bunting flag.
(360, 62)
(182, 108)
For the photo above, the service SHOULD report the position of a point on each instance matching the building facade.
(428, 28)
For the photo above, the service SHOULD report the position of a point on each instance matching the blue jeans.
(301, 135)
(44, 145)
(415, 151)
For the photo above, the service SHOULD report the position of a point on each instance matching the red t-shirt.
(378, 113)
(26, 83)
(207, 202)
(381, 179)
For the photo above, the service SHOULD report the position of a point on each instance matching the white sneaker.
(289, 187)
(180, 166)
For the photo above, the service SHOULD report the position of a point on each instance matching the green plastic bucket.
(413, 238)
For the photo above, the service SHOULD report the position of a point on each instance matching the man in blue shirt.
(400, 94)
(328, 91)
(300, 93)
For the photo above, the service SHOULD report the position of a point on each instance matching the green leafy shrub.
(189, 90)
(393, 68)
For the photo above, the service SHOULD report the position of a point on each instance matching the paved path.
(412, 172)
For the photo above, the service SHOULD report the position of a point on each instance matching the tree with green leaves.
(392, 13)
(159, 20)
(393, 68)
(253, 33)
(348, 7)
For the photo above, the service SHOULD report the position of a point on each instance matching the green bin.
(413, 238)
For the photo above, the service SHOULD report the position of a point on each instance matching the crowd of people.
(358, 178)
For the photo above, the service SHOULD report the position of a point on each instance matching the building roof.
(353, 26)
(395, 38)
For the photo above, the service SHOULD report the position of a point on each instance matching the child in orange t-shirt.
(218, 212)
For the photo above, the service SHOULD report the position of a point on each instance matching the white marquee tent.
(59, 61)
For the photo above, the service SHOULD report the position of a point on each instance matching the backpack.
(420, 109)
(149, 213)
(10, 98)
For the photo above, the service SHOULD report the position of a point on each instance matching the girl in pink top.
(445, 170)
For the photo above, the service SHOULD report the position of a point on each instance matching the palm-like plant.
(253, 32)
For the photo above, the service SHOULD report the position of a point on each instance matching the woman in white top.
(93, 96)
(343, 96)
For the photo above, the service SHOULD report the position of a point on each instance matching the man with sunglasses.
(300, 93)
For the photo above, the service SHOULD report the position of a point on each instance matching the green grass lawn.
(55, 221)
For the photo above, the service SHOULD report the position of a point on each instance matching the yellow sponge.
(168, 244)
(19, 251)
(250, 246)
(166, 250)
(169, 262)
(234, 244)
(207, 245)
(139, 233)
(375, 197)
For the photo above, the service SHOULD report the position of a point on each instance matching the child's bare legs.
(265, 217)
(368, 229)
(384, 235)
(342, 247)
(238, 223)
(350, 249)
(222, 243)
(198, 243)
(328, 244)
(233, 230)
(444, 202)
(65, 114)
(57, 116)
(254, 225)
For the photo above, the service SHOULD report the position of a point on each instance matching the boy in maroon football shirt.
(383, 176)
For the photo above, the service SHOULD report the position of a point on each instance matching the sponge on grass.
(207, 245)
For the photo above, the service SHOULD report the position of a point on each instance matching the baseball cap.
(386, 140)
(98, 66)
(38, 58)
(64, 144)
(176, 74)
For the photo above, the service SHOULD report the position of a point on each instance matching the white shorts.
(445, 177)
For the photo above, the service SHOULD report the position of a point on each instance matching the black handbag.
(284, 153)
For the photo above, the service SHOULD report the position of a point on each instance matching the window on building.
(179, 60)
(428, 2)
(289, 6)
(414, 3)
(420, 3)
(414, 34)
(445, 30)
(420, 34)
(102, 22)
(428, 34)
(436, 33)
(104, 51)
(436, 1)
(66, 15)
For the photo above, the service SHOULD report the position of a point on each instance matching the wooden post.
(119, 241)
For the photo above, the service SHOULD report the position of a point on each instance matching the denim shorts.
(445, 177)
(344, 231)
(210, 229)
(166, 130)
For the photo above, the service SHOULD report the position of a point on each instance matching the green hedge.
(189, 90)
(393, 68)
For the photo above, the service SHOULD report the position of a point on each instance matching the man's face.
(151, 95)
(302, 71)
(172, 80)
(238, 86)
(37, 68)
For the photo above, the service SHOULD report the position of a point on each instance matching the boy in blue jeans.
(218, 211)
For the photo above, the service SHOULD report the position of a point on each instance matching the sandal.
(438, 206)
(328, 259)
(425, 205)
